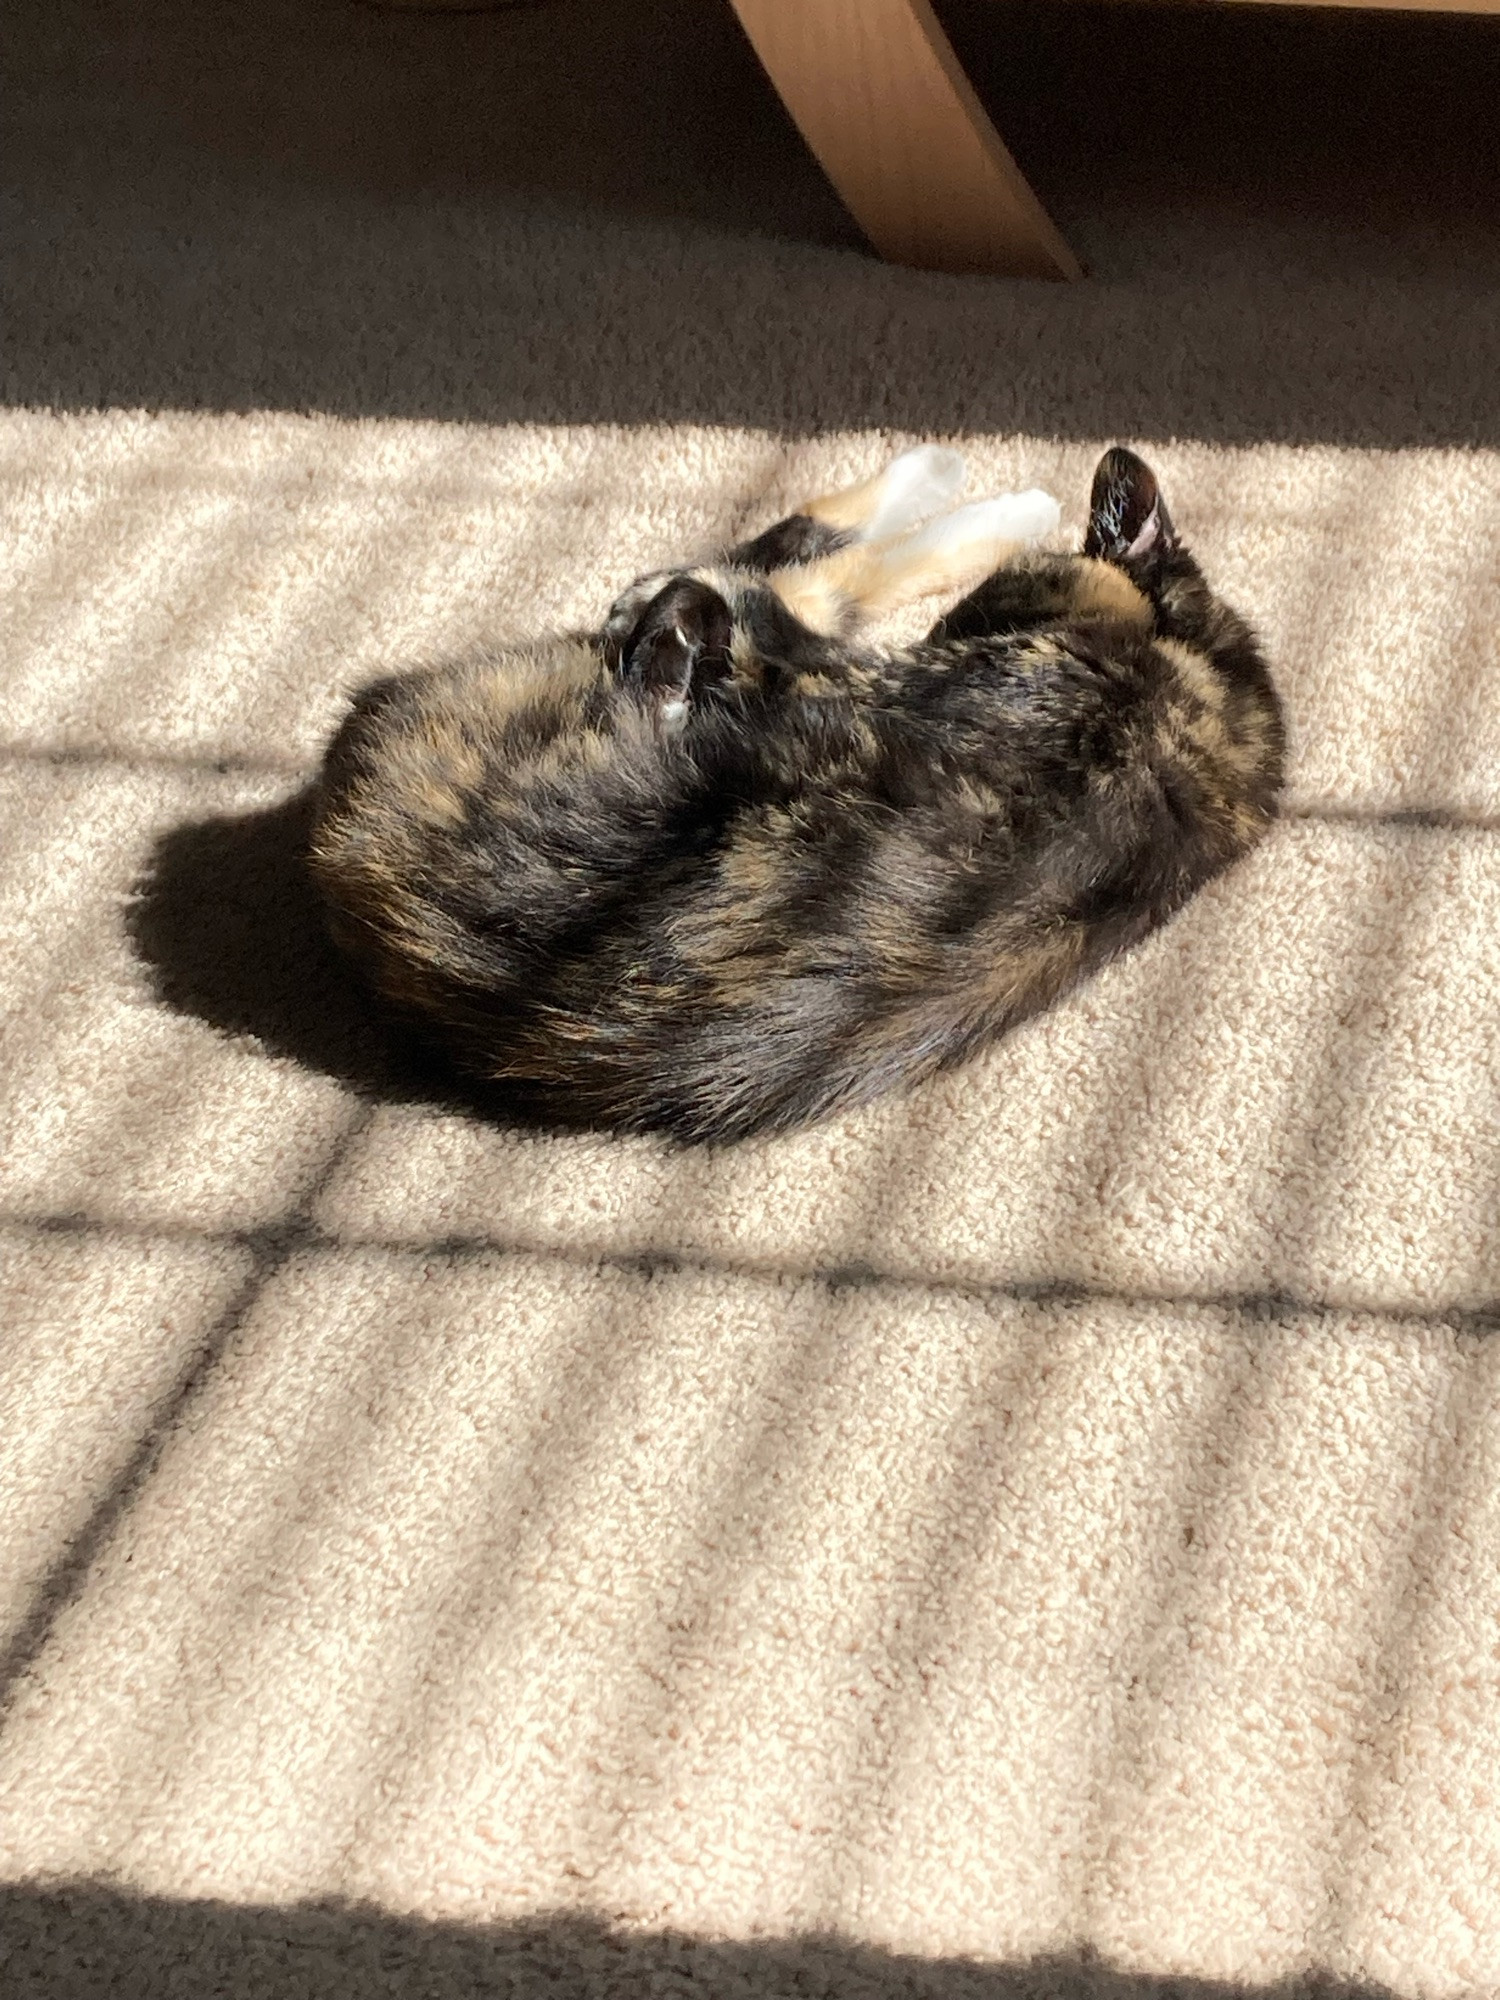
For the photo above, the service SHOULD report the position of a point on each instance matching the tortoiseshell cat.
(724, 868)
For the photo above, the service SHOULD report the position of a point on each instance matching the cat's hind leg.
(913, 486)
(917, 484)
(836, 593)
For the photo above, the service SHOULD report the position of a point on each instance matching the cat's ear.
(680, 642)
(1128, 518)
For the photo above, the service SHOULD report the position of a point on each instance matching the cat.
(724, 868)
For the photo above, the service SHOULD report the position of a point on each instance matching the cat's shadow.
(228, 925)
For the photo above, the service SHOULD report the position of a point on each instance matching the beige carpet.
(1041, 1538)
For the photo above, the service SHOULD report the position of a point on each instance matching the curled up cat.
(726, 866)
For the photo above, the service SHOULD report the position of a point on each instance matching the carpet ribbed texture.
(1037, 1538)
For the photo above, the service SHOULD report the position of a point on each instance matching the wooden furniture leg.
(882, 100)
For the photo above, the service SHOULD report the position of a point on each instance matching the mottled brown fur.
(717, 873)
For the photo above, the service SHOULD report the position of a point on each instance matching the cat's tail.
(836, 592)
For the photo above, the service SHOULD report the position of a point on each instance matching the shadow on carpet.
(229, 928)
(84, 1942)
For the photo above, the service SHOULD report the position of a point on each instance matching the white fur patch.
(913, 486)
(956, 550)
(1000, 522)
(870, 578)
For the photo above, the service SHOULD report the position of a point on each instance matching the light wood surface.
(880, 97)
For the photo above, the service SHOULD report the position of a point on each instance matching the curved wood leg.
(878, 94)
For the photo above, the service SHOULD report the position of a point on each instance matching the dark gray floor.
(592, 210)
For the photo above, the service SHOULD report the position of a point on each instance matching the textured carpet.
(1039, 1538)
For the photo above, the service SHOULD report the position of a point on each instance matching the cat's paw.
(625, 613)
(677, 650)
(920, 482)
(980, 534)
(1027, 517)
